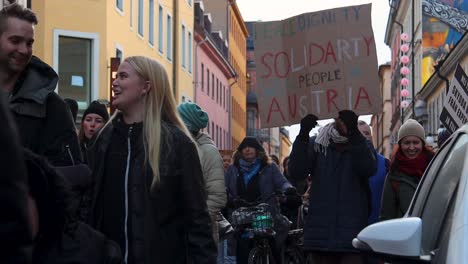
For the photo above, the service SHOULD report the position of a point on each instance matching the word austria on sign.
(316, 63)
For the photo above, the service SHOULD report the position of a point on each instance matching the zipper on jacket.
(70, 154)
(126, 194)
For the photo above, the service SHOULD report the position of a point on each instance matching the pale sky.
(267, 10)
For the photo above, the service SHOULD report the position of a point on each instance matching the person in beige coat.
(212, 164)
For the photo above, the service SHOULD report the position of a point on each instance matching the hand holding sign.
(316, 63)
(307, 123)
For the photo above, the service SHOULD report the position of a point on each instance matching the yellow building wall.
(68, 15)
(285, 147)
(116, 30)
(237, 56)
(122, 28)
(185, 85)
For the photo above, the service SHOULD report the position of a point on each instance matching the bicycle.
(256, 222)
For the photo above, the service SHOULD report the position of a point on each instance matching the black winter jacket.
(43, 119)
(168, 223)
(339, 196)
(15, 227)
(84, 246)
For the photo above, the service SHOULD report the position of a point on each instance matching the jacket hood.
(204, 139)
(37, 82)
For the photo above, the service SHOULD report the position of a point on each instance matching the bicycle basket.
(247, 215)
(262, 222)
(242, 216)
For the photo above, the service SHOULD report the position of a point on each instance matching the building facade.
(212, 76)
(380, 123)
(227, 19)
(437, 86)
(433, 32)
(80, 48)
(237, 57)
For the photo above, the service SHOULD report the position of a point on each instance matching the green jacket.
(398, 192)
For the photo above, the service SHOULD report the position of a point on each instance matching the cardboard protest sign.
(318, 63)
(455, 112)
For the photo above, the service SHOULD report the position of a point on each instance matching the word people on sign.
(316, 63)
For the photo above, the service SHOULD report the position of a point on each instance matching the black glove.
(307, 123)
(350, 119)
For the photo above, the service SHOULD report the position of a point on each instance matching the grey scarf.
(326, 134)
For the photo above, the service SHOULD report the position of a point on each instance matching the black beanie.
(250, 142)
(96, 108)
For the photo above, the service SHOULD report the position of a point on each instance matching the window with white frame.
(119, 4)
(169, 37)
(182, 46)
(140, 17)
(151, 23)
(76, 59)
(190, 43)
(160, 29)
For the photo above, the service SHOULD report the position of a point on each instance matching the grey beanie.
(411, 127)
(193, 116)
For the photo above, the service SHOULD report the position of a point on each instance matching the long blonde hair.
(159, 105)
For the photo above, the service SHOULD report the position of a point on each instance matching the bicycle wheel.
(261, 256)
(293, 255)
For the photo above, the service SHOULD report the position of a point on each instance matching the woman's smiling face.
(411, 146)
(128, 88)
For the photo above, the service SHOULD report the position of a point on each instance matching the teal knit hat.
(193, 116)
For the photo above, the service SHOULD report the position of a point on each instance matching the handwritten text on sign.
(455, 111)
(318, 63)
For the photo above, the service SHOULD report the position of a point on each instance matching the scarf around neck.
(249, 169)
(326, 134)
(412, 167)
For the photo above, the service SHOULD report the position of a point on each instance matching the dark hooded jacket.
(339, 200)
(60, 237)
(15, 228)
(167, 223)
(43, 119)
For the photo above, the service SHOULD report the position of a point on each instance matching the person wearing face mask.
(410, 160)
(340, 161)
(94, 118)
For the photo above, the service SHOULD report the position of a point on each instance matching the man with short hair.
(44, 122)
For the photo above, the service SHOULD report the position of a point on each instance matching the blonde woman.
(149, 192)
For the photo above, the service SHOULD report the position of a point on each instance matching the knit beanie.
(411, 128)
(96, 108)
(193, 116)
(250, 142)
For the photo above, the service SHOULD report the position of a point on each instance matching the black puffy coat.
(83, 246)
(168, 223)
(339, 198)
(15, 228)
(43, 119)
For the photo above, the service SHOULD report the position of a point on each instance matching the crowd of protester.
(148, 184)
